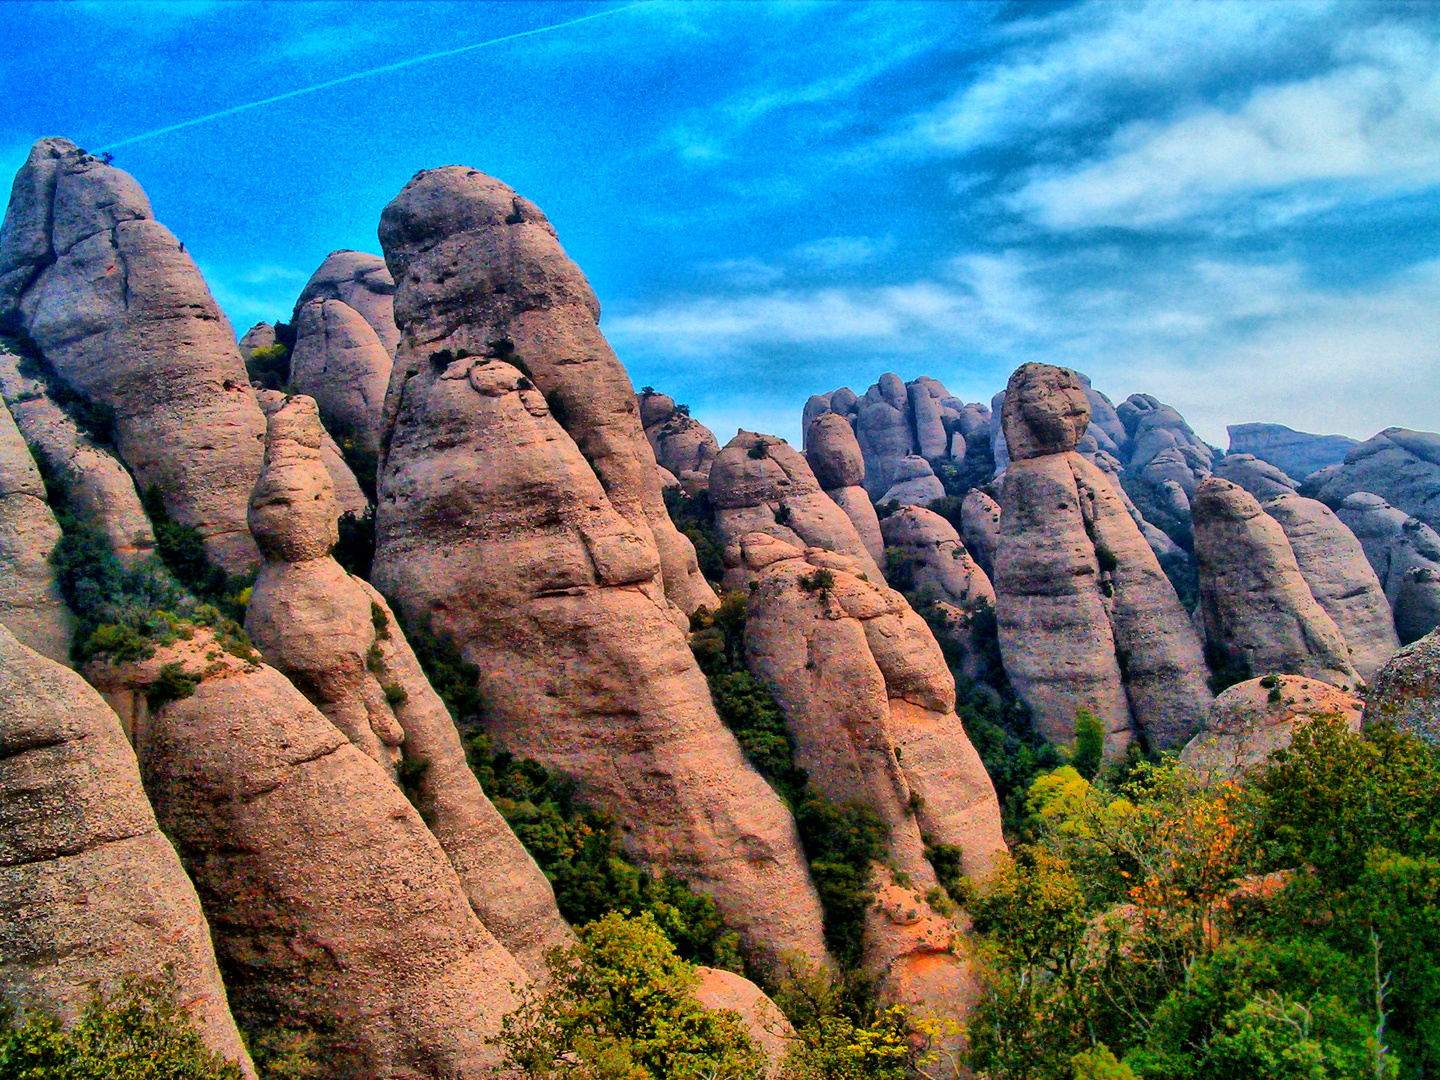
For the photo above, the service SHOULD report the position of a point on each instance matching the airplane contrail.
(411, 62)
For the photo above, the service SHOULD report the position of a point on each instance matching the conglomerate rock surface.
(340, 362)
(1406, 691)
(1405, 554)
(91, 892)
(839, 468)
(360, 281)
(30, 602)
(122, 315)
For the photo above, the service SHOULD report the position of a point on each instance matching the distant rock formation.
(1078, 589)
(1252, 719)
(329, 901)
(339, 361)
(1399, 465)
(1164, 463)
(980, 528)
(1296, 453)
(1406, 692)
(336, 639)
(1259, 478)
(939, 566)
(683, 446)
(1259, 614)
(362, 282)
(30, 602)
(760, 484)
(1405, 554)
(481, 271)
(121, 313)
(259, 336)
(913, 483)
(839, 467)
(494, 531)
(91, 892)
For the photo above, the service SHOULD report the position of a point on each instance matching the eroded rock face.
(1165, 462)
(980, 528)
(336, 639)
(1406, 691)
(330, 902)
(1258, 611)
(683, 446)
(914, 483)
(91, 892)
(493, 531)
(1045, 411)
(259, 336)
(759, 484)
(716, 988)
(1296, 453)
(122, 314)
(1334, 566)
(30, 602)
(479, 268)
(349, 497)
(1259, 478)
(940, 566)
(362, 282)
(1252, 719)
(97, 489)
(839, 467)
(340, 362)
(1399, 465)
(1405, 554)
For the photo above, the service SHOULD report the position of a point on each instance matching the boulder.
(1296, 453)
(884, 429)
(1417, 603)
(914, 483)
(360, 281)
(939, 566)
(340, 362)
(480, 270)
(1405, 554)
(492, 531)
(1252, 719)
(123, 316)
(259, 336)
(336, 639)
(91, 892)
(931, 438)
(759, 484)
(1259, 478)
(1334, 566)
(1399, 465)
(30, 603)
(683, 446)
(1406, 691)
(716, 988)
(1045, 411)
(839, 467)
(349, 498)
(980, 528)
(97, 490)
(1258, 611)
(331, 905)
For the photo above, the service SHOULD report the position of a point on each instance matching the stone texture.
(834, 456)
(91, 892)
(1165, 461)
(940, 566)
(1259, 478)
(1045, 411)
(883, 427)
(980, 528)
(340, 362)
(493, 531)
(336, 639)
(30, 602)
(1334, 566)
(123, 316)
(1296, 453)
(759, 484)
(1405, 554)
(1252, 719)
(362, 282)
(683, 446)
(914, 483)
(716, 988)
(479, 268)
(259, 336)
(1259, 613)
(329, 901)
(349, 497)
(1401, 466)
(97, 489)
(1406, 692)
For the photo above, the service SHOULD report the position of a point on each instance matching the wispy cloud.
(837, 252)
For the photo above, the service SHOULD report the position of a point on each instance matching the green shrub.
(694, 516)
(1089, 743)
(821, 581)
(395, 695)
(269, 365)
(172, 684)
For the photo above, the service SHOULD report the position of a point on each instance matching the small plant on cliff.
(269, 365)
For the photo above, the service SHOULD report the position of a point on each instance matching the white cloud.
(1373, 121)
(836, 252)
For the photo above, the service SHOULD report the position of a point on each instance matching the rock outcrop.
(360, 281)
(493, 530)
(914, 483)
(1399, 465)
(1405, 554)
(259, 336)
(1259, 614)
(1258, 477)
(1334, 566)
(1252, 719)
(331, 905)
(716, 988)
(91, 893)
(683, 446)
(760, 484)
(479, 269)
(30, 602)
(336, 639)
(980, 528)
(123, 316)
(96, 488)
(1296, 453)
(839, 467)
(340, 362)
(1164, 463)
(1079, 592)
(1406, 692)
(348, 494)
(939, 566)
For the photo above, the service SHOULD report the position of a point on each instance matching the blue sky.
(1231, 206)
